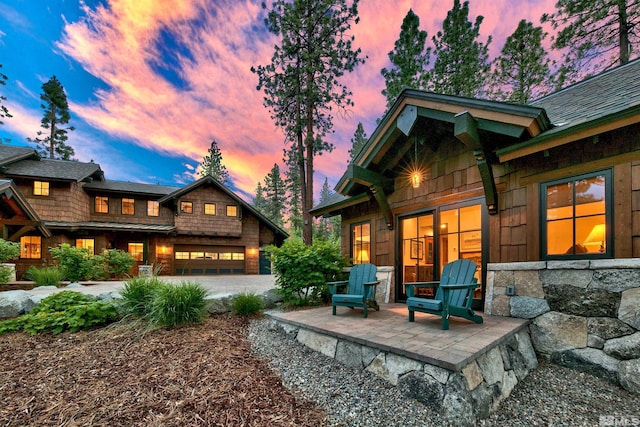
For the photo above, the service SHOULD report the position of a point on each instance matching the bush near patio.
(302, 271)
(247, 303)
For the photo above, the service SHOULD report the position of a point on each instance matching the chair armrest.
(412, 286)
(333, 286)
(376, 283)
(460, 286)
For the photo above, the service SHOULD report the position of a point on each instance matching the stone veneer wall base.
(585, 313)
(462, 397)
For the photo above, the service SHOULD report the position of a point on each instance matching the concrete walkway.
(218, 286)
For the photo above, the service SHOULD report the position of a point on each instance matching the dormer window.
(40, 188)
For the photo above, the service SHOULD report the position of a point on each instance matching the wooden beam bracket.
(383, 203)
(369, 178)
(466, 130)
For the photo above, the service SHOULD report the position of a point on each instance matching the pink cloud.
(118, 44)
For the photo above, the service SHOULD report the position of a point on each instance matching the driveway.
(218, 286)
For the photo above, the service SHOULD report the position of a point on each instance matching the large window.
(186, 207)
(102, 204)
(209, 209)
(576, 216)
(31, 247)
(88, 244)
(128, 206)
(153, 208)
(361, 243)
(40, 188)
(232, 210)
(136, 250)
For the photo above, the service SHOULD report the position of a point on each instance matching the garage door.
(200, 259)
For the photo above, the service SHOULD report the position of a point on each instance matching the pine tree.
(56, 113)
(301, 84)
(259, 201)
(462, 62)
(409, 59)
(598, 33)
(212, 164)
(522, 71)
(4, 111)
(294, 199)
(357, 142)
(275, 196)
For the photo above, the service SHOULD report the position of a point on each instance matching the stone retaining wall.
(585, 314)
(462, 397)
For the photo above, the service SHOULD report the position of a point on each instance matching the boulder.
(399, 365)
(74, 285)
(524, 307)
(440, 374)
(422, 387)
(582, 302)
(271, 298)
(589, 360)
(627, 347)
(554, 332)
(629, 311)
(566, 277)
(218, 305)
(15, 303)
(457, 405)
(629, 375)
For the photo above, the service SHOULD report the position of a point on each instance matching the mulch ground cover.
(128, 375)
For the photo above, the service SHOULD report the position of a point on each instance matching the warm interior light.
(597, 236)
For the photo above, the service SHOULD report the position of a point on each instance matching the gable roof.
(601, 103)
(13, 197)
(10, 154)
(212, 181)
(56, 170)
(112, 186)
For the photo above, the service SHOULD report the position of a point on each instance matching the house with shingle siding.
(202, 228)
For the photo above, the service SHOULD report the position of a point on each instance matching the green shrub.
(45, 276)
(302, 271)
(178, 304)
(61, 311)
(8, 250)
(138, 294)
(118, 263)
(246, 304)
(5, 274)
(75, 263)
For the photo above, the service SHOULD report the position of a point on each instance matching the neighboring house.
(445, 177)
(202, 228)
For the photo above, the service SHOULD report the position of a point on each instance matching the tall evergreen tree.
(259, 202)
(357, 142)
(4, 111)
(56, 114)
(212, 164)
(409, 59)
(598, 33)
(522, 71)
(462, 62)
(294, 199)
(275, 195)
(301, 84)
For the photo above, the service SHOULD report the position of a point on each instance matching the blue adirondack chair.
(360, 289)
(454, 293)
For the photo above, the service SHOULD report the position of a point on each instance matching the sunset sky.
(151, 83)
